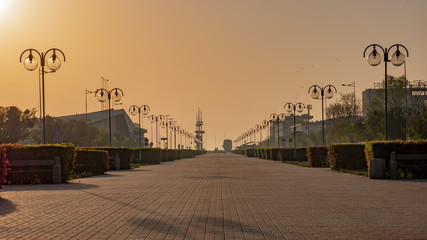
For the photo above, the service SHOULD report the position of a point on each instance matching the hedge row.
(3, 166)
(383, 149)
(317, 156)
(125, 155)
(66, 152)
(348, 156)
(80, 160)
(91, 161)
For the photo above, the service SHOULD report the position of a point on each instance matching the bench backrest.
(414, 156)
(29, 163)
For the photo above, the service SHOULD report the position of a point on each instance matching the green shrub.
(383, 149)
(349, 156)
(250, 152)
(91, 161)
(66, 152)
(187, 153)
(287, 154)
(274, 154)
(3, 165)
(173, 154)
(149, 156)
(164, 155)
(261, 153)
(125, 155)
(317, 156)
(267, 154)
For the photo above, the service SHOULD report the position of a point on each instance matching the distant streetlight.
(353, 84)
(277, 118)
(103, 95)
(53, 63)
(165, 124)
(266, 124)
(295, 107)
(316, 92)
(258, 128)
(144, 109)
(397, 59)
(86, 93)
(309, 107)
(156, 119)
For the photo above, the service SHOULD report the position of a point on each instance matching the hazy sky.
(239, 61)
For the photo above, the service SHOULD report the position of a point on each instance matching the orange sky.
(239, 61)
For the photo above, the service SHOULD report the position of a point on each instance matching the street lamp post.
(86, 93)
(295, 107)
(156, 119)
(353, 84)
(277, 118)
(53, 63)
(265, 124)
(397, 59)
(320, 92)
(309, 107)
(103, 95)
(144, 109)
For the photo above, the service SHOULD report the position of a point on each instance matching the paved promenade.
(217, 196)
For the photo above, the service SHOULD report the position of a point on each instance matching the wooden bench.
(115, 162)
(405, 160)
(55, 165)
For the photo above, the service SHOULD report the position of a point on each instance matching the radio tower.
(199, 130)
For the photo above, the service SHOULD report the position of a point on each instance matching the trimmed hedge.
(274, 154)
(250, 152)
(317, 156)
(349, 156)
(149, 155)
(66, 152)
(267, 154)
(164, 155)
(92, 161)
(287, 154)
(173, 154)
(3, 166)
(383, 149)
(125, 155)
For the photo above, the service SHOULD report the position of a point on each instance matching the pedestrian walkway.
(217, 196)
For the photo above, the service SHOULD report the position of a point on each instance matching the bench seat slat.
(35, 170)
(29, 163)
(404, 157)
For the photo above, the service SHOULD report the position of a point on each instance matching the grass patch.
(82, 175)
(355, 172)
(301, 164)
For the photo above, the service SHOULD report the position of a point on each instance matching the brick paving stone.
(217, 196)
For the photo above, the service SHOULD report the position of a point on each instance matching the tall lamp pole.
(277, 118)
(53, 63)
(265, 124)
(353, 84)
(144, 109)
(103, 95)
(397, 59)
(325, 92)
(295, 107)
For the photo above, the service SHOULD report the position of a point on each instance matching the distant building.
(120, 122)
(227, 145)
(417, 95)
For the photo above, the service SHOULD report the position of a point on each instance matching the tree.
(395, 110)
(344, 121)
(418, 125)
(15, 124)
(74, 131)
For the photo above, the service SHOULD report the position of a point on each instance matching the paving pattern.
(217, 196)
